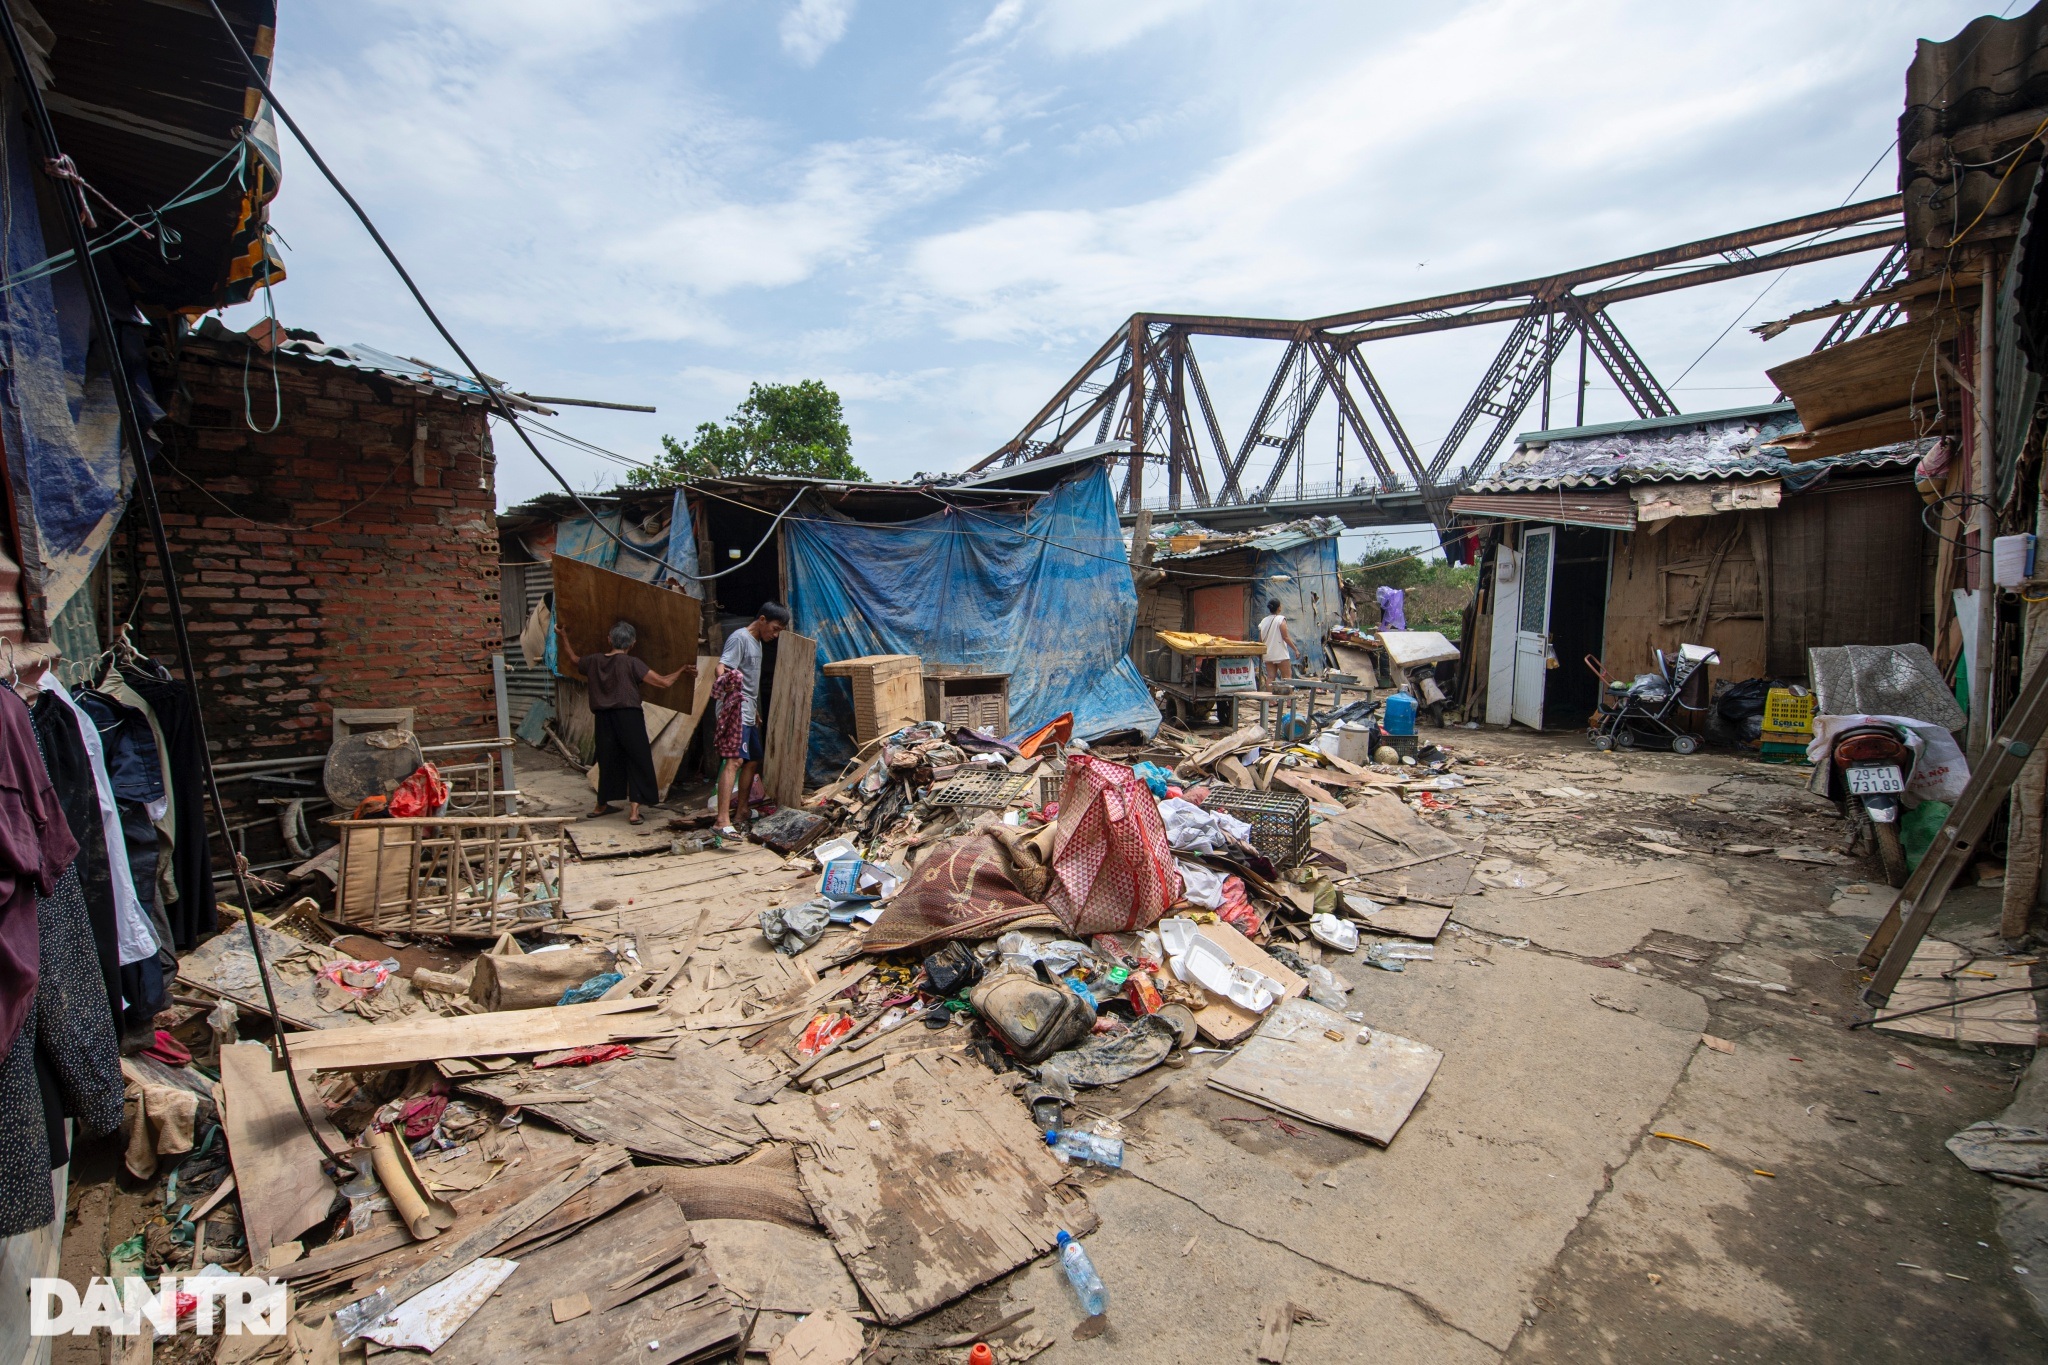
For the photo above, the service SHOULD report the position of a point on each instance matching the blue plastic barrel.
(1397, 714)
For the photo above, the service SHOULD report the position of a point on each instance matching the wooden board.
(2010, 1019)
(954, 1189)
(1294, 1066)
(685, 1315)
(786, 737)
(1438, 882)
(1378, 831)
(775, 1268)
(681, 1109)
(506, 1033)
(590, 600)
(276, 1162)
(1406, 921)
(673, 743)
(1223, 1021)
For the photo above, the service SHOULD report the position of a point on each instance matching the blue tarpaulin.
(1044, 596)
(61, 425)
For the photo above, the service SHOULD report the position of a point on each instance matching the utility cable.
(491, 390)
(131, 424)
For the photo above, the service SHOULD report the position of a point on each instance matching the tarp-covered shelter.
(1618, 540)
(1032, 583)
(1220, 584)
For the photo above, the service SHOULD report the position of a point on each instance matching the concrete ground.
(1527, 1211)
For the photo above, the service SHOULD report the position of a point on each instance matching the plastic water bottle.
(1076, 1145)
(1081, 1274)
(1397, 714)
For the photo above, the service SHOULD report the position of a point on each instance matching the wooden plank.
(283, 1191)
(786, 737)
(1314, 793)
(952, 1189)
(654, 1297)
(1293, 1065)
(682, 1110)
(590, 600)
(1406, 921)
(506, 1033)
(1378, 831)
(1436, 881)
(673, 743)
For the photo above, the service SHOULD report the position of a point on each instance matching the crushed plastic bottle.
(1081, 1274)
(1075, 1144)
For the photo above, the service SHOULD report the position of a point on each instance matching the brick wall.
(346, 581)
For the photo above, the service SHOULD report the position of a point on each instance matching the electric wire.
(1944, 1005)
(131, 423)
(491, 390)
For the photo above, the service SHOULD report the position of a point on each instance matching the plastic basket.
(1279, 821)
(1787, 712)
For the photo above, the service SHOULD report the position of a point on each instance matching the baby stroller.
(1640, 711)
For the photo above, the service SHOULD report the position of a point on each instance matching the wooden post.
(2030, 793)
(1987, 525)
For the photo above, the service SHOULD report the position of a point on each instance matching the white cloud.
(810, 27)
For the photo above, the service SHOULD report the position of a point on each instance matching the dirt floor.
(1526, 1211)
(1529, 1209)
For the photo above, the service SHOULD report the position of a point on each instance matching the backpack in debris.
(1032, 1019)
(951, 970)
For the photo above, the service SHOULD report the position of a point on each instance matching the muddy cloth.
(964, 888)
(35, 848)
(71, 774)
(70, 1033)
(625, 760)
(193, 916)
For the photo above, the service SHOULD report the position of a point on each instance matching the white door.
(1532, 625)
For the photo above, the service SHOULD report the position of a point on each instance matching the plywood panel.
(590, 600)
(786, 737)
(1846, 567)
(1220, 610)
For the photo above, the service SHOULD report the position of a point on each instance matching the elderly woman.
(625, 760)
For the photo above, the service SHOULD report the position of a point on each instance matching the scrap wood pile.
(745, 1100)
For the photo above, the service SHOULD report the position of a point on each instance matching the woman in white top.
(1279, 642)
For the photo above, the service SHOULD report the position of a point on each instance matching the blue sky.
(941, 209)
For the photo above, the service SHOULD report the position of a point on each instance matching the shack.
(1028, 582)
(1618, 540)
(1219, 585)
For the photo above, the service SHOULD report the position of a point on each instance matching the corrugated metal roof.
(308, 346)
(1730, 444)
(1281, 536)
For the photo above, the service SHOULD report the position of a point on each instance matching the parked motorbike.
(1869, 767)
(1430, 696)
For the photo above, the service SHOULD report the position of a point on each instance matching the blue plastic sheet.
(61, 425)
(1304, 578)
(1044, 596)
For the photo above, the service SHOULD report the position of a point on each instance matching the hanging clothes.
(194, 915)
(136, 935)
(71, 774)
(35, 848)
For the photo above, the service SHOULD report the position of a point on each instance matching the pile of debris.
(774, 1097)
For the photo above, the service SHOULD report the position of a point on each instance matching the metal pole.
(1987, 594)
(505, 745)
(1135, 489)
(1549, 322)
(1581, 420)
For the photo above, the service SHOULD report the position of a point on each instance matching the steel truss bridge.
(1142, 393)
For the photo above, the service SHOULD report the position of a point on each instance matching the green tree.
(779, 429)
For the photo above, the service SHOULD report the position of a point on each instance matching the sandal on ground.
(635, 820)
(601, 809)
(727, 832)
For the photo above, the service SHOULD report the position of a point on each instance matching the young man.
(1279, 642)
(625, 761)
(742, 753)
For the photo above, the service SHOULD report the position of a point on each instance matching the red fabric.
(167, 1050)
(1112, 869)
(1237, 910)
(422, 1115)
(964, 888)
(728, 695)
(424, 793)
(584, 1056)
(35, 848)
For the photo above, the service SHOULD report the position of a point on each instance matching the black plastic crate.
(1279, 820)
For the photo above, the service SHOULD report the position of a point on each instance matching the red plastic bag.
(1112, 869)
(1238, 911)
(822, 1032)
(424, 793)
(584, 1056)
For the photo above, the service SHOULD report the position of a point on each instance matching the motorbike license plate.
(1875, 778)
